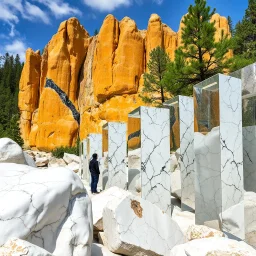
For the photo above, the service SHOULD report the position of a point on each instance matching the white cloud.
(107, 5)
(6, 14)
(12, 11)
(17, 47)
(60, 8)
(158, 1)
(33, 12)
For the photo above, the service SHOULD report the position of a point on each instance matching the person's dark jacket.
(94, 167)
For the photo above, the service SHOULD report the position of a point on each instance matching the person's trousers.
(94, 182)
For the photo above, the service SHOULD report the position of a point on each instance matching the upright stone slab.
(94, 145)
(219, 155)
(85, 167)
(81, 156)
(149, 140)
(115, 139)
(248, 77)
(182, 136)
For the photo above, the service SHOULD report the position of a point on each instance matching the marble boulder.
(250, 218)
(69, 158)
(101, 200)
(185, 219)
(214, 246)
(42, 161)
(11, 152)
(49, 208)
(136, 227)
(19, 247)
(200, 231)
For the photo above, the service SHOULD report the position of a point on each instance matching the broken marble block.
(213, 246)
(134, 226)
(100, 250)
(250, 218)
(49, 208)
(200, 231)
(101, 200)
(18, 247)
(69, 158)
(185, 219)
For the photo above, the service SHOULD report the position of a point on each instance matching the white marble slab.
(117, 151)
(85, 170)
(219, 155)
(95, 146)
(248, 77)
(155, 156)
(184, 116)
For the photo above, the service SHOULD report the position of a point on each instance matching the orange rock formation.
(98, 77)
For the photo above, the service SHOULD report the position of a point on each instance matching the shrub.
(59, 152)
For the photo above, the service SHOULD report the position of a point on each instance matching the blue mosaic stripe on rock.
(64, 98)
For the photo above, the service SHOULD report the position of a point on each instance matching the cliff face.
(80, 82)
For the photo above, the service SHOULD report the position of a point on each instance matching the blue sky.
(32, 23)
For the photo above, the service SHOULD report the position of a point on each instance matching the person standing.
(95, 172)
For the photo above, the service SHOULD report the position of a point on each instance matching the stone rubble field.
(48, 211)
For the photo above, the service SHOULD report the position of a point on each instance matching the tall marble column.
(149, 141)
(117, 150)
(248, 77)
(182, 136)
(218, 154)
(94, 141)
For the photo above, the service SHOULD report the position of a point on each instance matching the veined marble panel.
(182, 114)
(154, 143)
(85, 169)
(248, 77)
(117, 150)
(219, 155)
(95, 146)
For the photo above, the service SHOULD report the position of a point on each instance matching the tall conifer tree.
(200, 56)
(154, 89)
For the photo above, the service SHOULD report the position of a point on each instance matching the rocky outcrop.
(29, 92)
(61, 62)
(80, 82)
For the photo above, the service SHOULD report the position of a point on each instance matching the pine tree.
(96, 32)
(200, 57)
(154, 89)
(10, 71)
(245, 34)
(231, 28)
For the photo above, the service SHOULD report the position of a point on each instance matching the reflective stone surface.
(248, 77)
(94, 145)
(219, 155)
(182, 137)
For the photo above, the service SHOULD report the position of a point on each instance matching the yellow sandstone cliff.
(81, 82)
